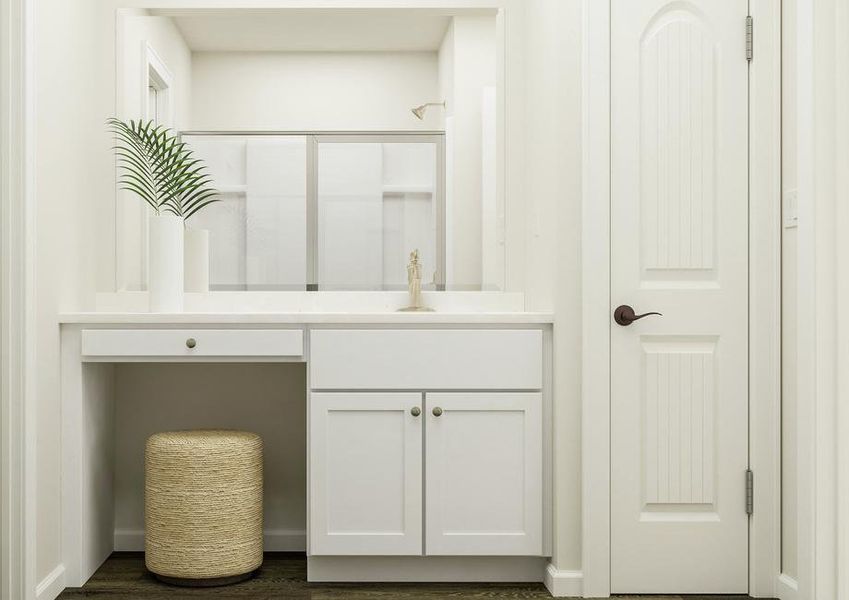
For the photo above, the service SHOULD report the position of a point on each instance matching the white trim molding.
(764, 298)
(841, 54)
(51, 586)
(595, 286)
(563, 584)
(786, 588)
(155, 73)
(415, 569)
(17, 292)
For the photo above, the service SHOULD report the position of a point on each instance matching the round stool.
(203, 506)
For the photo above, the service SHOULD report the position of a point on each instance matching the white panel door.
(679, 224)
(365, 474)
(484, 474)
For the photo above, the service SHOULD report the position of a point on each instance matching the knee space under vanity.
(265, 398)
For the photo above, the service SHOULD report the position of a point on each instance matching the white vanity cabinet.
(484, 474)
(366, 473)
(124, 344)
(426, 472)
(429, 443)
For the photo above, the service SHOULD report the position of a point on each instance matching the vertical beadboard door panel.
(365, 474)
(679, 246)
(484, 474)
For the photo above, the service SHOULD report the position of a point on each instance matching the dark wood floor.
(283, 577)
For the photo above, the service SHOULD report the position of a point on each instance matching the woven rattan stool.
(203, 506)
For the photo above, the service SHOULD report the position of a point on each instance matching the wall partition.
(323, 210)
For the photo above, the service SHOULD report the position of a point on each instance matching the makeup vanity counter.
(308, 318)
(429, 443)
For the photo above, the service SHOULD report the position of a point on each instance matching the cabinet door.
(484, 474)
(365, 474)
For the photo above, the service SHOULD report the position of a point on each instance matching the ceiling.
(310, 30)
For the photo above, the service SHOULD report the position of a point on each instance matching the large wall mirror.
(339, 141)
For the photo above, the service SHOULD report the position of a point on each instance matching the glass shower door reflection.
(258, 231)
(377, 202)
(322, 211)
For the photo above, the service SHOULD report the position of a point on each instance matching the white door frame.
(17, 292)
(764, 297)
(823, 387)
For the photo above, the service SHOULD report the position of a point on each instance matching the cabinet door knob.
(415, 411)
(191, 343)
(437, 412)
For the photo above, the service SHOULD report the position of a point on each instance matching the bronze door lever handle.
(624, 315)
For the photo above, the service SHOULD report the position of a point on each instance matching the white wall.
(445, 58)
(492, 203)
(69, 136)
(312, 91)
(467, 62)
(160, 33)
(445, 93)
(75, 215)
(135, 34)
(552, 197)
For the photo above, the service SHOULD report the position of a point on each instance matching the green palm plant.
(156, 166)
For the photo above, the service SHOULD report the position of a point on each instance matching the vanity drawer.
(406, 359)
(192, 342)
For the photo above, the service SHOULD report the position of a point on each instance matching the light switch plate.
(790, 208)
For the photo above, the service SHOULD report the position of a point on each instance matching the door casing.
(764, 297)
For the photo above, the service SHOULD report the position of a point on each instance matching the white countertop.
(306, 318)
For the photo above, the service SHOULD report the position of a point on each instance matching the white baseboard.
(51, 586)
(285, 540)
(274, 540)
(128, 540)
(454, 569)
(787, 588)
(564, 584)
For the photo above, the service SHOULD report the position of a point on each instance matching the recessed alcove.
(266, 398)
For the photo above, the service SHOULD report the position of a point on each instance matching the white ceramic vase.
(165, 263)
(197, 260)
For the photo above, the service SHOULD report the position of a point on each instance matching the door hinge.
(750, 40)
(750, 492)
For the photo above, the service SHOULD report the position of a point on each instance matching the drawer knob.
(191, 343)
(437, 412)
(415, 411)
